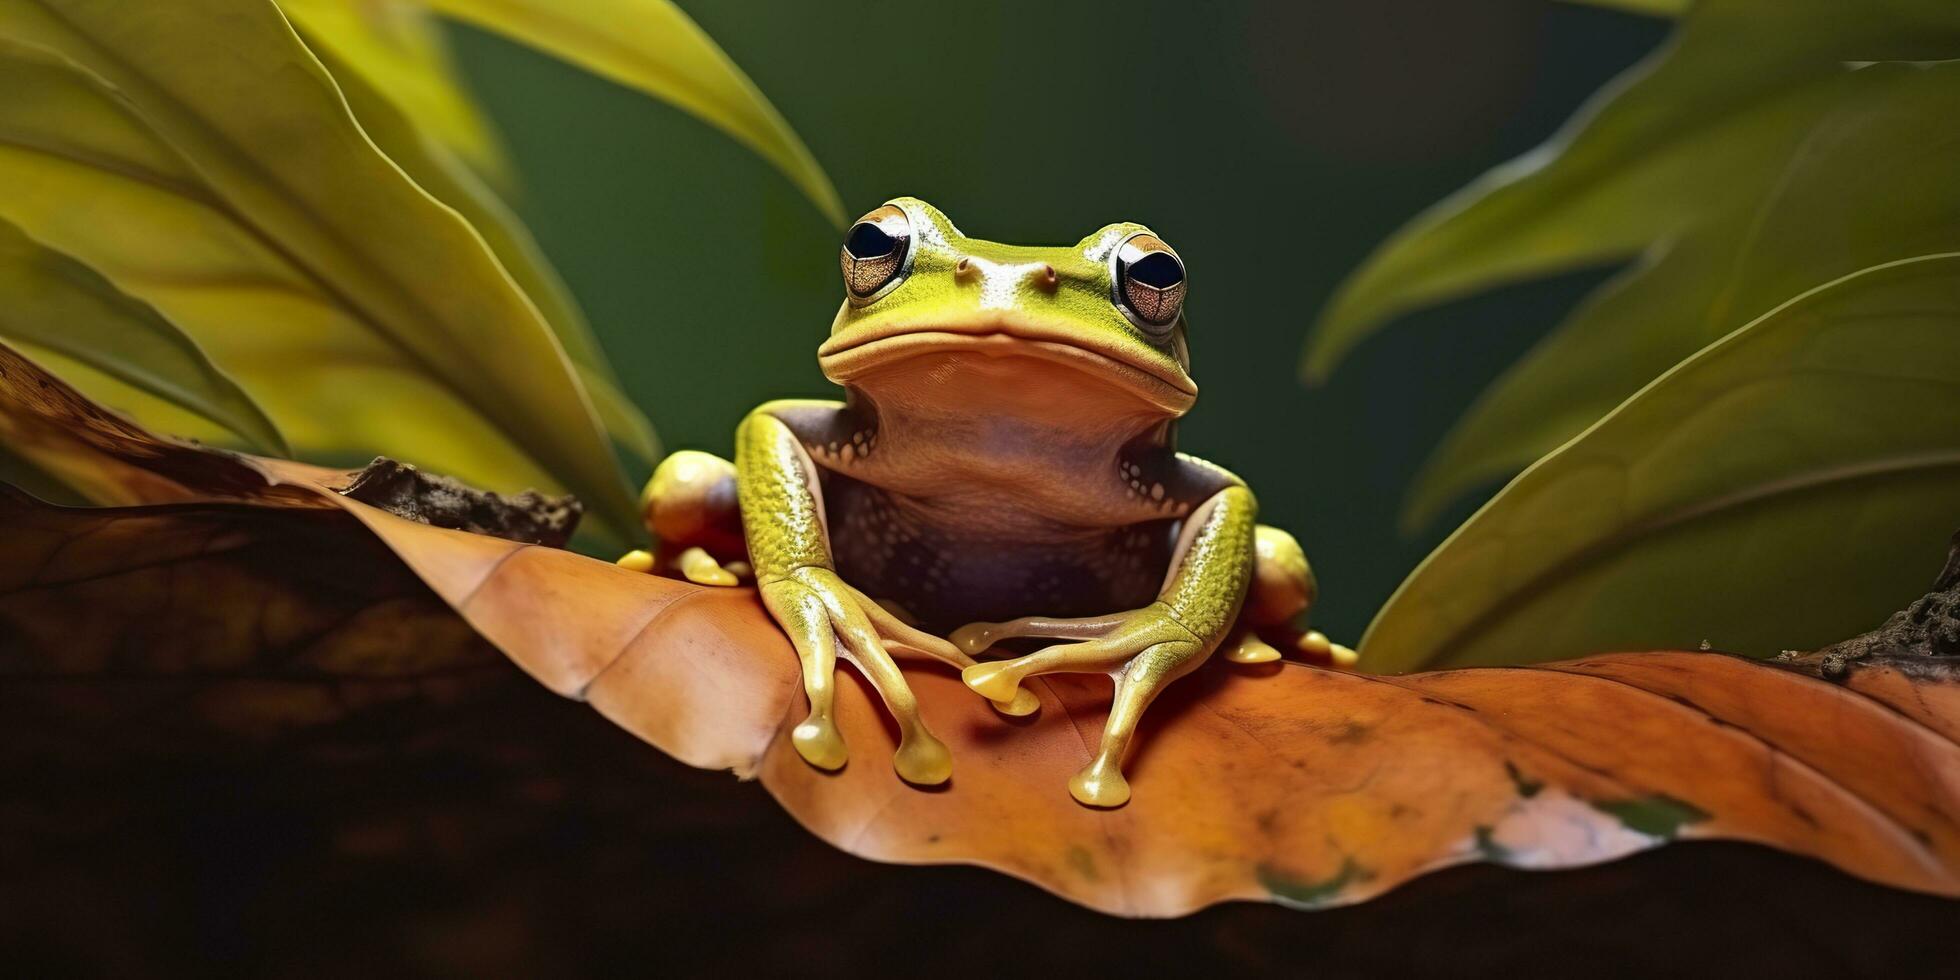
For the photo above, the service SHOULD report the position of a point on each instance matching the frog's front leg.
(1147, 648)
(1283, 587)
(825, 617)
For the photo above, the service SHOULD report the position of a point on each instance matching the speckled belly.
(948, 571)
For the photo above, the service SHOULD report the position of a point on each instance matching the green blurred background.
(1272, 143)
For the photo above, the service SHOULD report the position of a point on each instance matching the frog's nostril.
(1045, 278)
(963, 270)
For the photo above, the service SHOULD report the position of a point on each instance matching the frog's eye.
(1148, 282)
(877, 253)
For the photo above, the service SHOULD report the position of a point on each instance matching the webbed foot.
(693, 564)
(826, 618)
(1145, 649)
(1317, 648)
(1251, 645)
(1247, 647)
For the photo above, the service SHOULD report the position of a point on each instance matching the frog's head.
(1077, 334)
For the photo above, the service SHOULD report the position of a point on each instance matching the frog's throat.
(846, 359)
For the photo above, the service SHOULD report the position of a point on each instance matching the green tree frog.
(1003, 466)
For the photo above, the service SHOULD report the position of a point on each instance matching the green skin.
(1007, 447)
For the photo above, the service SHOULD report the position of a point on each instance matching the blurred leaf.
(1868, 181)
(90, 180)
(1666, 144)
(1290, 784)
(438, 171)
(301, 222)
(394, 46)
(652, 46)
(52, 300)
(1767, 493)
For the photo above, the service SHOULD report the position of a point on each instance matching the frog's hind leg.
(691, 507)
(903, 639)
(976, 638)
(1143, 649)
(1283, 588)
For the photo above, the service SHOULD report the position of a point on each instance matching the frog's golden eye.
(877, 253)
(1147, 279)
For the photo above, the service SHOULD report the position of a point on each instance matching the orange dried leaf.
(1288, 783)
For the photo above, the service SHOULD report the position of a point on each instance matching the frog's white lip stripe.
(851, 352)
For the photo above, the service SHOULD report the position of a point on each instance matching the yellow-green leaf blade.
(1781, 489)
(228, 85)
(87, 179)
(439, 172)
(52, 300)
(394, 46)
(58, 111)
(652, 46)
(1868, 181)
(339, 393)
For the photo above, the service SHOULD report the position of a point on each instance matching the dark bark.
(443, 501)
(1922, 639)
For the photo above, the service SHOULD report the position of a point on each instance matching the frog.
(1002, 472)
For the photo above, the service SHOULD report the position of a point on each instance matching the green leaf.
(1866, 181)
(430, 164)
(1783, 488)
(652, 46)
(1658, 149)
(394, 46)
(313, 245)
(52, 300)
(91, 181)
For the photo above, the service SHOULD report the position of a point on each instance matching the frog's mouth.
(850, 357)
